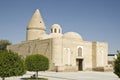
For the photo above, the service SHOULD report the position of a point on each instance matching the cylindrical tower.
(57, 53)
(56, 35)
(35, 27)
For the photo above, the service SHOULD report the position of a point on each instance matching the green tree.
(117, 65)
(11, 64)
(37, 63)
(3, 44)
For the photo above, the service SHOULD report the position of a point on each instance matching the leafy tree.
(37, 63)
(3, 44)
(11, 64)
(117, 65)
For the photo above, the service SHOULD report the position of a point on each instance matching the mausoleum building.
(66, 52)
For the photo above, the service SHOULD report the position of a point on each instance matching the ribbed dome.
(72, 35)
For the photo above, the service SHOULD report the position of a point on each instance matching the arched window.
(79, 52)
(55, 30)
(68, 56)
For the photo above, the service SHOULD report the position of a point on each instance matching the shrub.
(117, 65)
(37, 63)
(11, 64)
(4, 44)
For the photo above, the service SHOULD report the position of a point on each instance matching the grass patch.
(35, 79)
(39, 79)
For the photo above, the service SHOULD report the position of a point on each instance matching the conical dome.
(36, 27)
(36, 21)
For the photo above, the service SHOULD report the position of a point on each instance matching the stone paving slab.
(71, 76)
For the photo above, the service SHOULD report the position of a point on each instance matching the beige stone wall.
(34, 47)
(94, 50)
(63, 52)
(100, 50)
(72, 45)
(69, 54)
(87, 54)
(93, 54)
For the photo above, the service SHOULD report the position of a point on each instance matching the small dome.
(72, 35)
(55, 26)
(56, 29)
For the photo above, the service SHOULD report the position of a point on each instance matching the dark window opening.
(55, 30)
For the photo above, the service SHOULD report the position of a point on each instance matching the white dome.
(57, 26)
(72, 35)
(56, 29)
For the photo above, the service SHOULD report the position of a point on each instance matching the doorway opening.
(80, 64)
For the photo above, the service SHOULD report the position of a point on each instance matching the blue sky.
(94, 20)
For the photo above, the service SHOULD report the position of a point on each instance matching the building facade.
(66, 52)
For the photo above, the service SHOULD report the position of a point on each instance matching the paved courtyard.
(71, 76)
